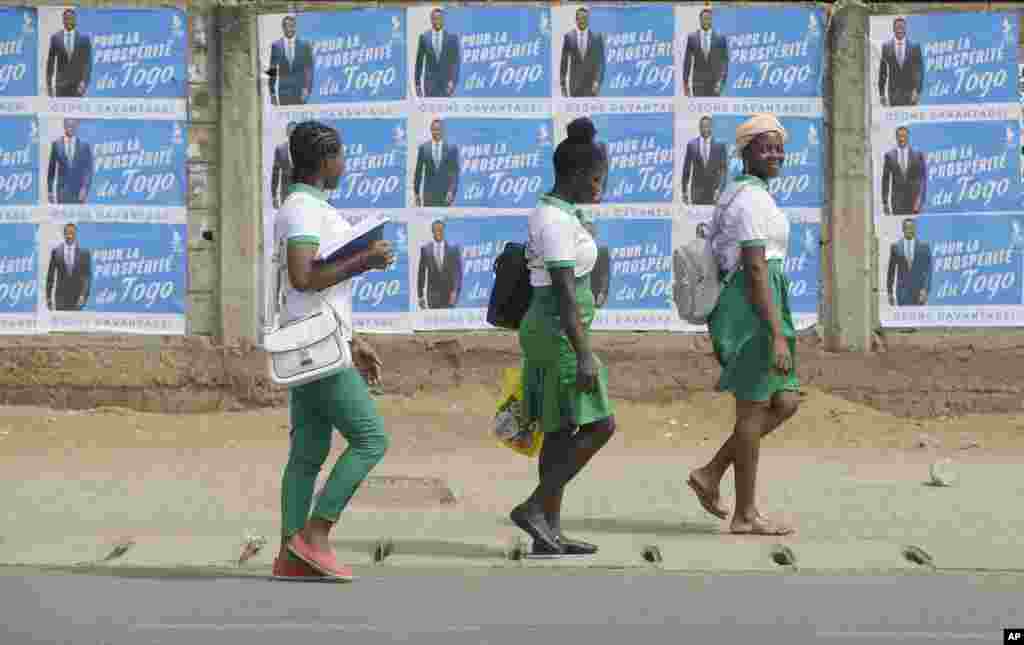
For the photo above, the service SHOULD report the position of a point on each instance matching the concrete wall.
(225, 181)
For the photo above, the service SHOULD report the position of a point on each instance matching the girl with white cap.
(751, 327)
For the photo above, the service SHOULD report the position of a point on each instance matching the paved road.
(535, 607)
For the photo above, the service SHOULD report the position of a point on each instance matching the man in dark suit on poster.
(704, 167)
(905, 177)
(281, 172)
(437, 170)
(437, 60)
(901, 70)
(600, 276)
(291, 67)
(910, 268)
(69, 60)
(439, 279)
(69, 174)
(69, 275)
(708, 54)
(583, 59)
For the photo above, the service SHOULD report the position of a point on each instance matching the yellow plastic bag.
(511, 429)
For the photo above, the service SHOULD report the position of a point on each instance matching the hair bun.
(581, 130)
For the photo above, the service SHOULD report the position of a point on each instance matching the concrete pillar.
(849, 302)
(240, 228)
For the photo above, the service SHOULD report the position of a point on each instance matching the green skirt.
(742, 340)
(549, 364)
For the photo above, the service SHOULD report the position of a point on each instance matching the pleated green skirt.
(742, 340)
(549, 364)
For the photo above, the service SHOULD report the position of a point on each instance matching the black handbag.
(510, 296)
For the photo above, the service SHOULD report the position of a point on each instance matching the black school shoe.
(570, 548)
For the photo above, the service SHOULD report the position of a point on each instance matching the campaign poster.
(632, 280)
(481, 52)
(19, 278)
(116, 276)
(751, 52)
(113, 162)
(334, 57)
(454, 260)
(381, 299)
(933, 167)
(19, 61)
(641, 156)
(803, 268)
(480, 162)
(943, 59)
(113, 62)
(952, 270)
(19, 161)
(614, 52)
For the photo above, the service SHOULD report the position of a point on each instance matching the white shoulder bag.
(307, 349)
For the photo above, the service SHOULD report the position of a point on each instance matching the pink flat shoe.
(290, 570)
(323, 562)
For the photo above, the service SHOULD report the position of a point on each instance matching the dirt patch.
(912, 375)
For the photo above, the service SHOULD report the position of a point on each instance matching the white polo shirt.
(752, 219)
(306, 217)
(558, 240)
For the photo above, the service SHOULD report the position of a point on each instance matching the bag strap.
(282, 276)
(717, 231)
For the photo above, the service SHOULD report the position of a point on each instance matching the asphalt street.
(528, 607)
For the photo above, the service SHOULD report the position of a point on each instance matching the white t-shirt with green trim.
(306, 217)
(558, 239)
(752, 219)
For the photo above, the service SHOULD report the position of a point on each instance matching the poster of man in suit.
(439, 278)
(291, 67)
(437, 60)
(582, 68)
(600, 276)
(281, 171)
(69, 275)
(70, 171)
(69, 60)
(904, 177)
(705, 60)
(704, 167)
(901, 69)
(909, 275)
(436, 178)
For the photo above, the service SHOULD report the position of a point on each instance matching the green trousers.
(340, 402)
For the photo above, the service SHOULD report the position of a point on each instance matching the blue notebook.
(340, 245)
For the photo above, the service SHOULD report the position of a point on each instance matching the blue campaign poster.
(375, 156)
(961, 261)
(136, 268)
(963, 166)
(472, 245)
(802, 181)
(19, 268)
(803, 263)
(19, 44)
(770, 52)
(638, 254)
(489, 52)
(641, 156)
(948, 58)
(498, 163)
(19, 160)
(123, 53)
(637, 52)
(117, 163)
(350, 56)
(386, 291)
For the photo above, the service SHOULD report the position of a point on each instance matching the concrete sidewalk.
(848, 518)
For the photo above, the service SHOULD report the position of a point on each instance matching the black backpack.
(510, 296)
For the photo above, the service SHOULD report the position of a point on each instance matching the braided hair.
(310, 144)
(578, 153)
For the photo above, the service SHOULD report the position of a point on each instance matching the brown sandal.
(707, 502)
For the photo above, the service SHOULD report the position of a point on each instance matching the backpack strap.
(717, 231)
